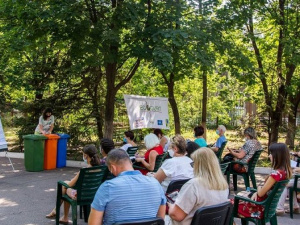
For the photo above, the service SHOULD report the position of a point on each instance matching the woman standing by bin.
(46, 122)
(91, 157)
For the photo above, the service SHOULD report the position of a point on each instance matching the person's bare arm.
(51, 128)
(160, 175)
(215, 149)
(261, 191)
(238, 153)
(152, 157)
(176, 213)
(161, 211)
(95, 217)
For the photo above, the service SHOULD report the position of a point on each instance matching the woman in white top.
(128, 140)
(208, 187)
(178, 167)
(46, 122)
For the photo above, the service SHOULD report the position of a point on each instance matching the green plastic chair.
(269, 204)
(224, 167)
(250, 173)
(132, 150)
(219, 153)
(87, 185)
(158, 162)
(292, 190)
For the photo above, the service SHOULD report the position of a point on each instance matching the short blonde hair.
(151, 140)
(207, 169)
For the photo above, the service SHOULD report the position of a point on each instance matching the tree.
(271, 28)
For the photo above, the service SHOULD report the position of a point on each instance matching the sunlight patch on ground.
(5, 203)
(1, 176)
(50, 190)
(31, 186)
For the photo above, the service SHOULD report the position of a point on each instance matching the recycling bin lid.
(52, 136)
(34, 137)
(64, 135)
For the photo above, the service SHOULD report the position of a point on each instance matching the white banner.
(3, 144)
(147, 112)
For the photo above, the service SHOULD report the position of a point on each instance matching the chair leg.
(80, 212)
(244, 222)
(57, 211)
(86, 212)
(234, 176)
(273, 220)
(246, 180)
(74, 213)
(252, 175)
(291, 201)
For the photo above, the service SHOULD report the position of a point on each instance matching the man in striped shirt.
(129, 196)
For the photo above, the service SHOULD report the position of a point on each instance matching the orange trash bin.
(50, 151)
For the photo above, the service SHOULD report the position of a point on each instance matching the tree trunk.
(291, 132)
(204, 102)
(173, 104)
(275, 123)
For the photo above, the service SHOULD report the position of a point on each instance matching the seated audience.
(153, 150)
(178, 167)
(220, 131)
(128, 140)
(280, 159)
(208, 187)
(245, 153)
(123, 198)
(191, 147)
(105, 146)
(90, 156)
(280, 211)
(164, 141)
(198, 133)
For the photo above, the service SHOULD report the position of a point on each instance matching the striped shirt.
(129, 196)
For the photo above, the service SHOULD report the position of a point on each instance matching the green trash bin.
(34, 152)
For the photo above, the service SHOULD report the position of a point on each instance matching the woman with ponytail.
(91, 157)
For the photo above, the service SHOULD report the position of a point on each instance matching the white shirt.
(194, 195)
(126, 146)
(177, 168)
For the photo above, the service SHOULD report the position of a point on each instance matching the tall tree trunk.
(291, 132)
(174, 107)
(204, 101)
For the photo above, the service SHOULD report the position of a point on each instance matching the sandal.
(51, 215)
(296, 211)
(63, 222)
(280, 212)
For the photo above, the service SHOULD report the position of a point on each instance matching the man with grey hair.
(220, 131)
(128, 196)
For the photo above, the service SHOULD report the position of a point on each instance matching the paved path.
(26, 197)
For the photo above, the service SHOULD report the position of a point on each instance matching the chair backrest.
(152, 221)
(213, 215)
(132, 150)
(252, 162)
(273, 198)
(220, 150)
(224, 166)
(88, 183)
(159, 161)
(176, 185)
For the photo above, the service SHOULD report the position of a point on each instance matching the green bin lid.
(34, 137)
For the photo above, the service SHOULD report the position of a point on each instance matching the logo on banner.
(148, 108)
(159, 122)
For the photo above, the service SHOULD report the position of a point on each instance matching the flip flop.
(51, 215)
(63, 222)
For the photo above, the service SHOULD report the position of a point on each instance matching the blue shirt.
(201, 142)
(220, 141)
(129, 196)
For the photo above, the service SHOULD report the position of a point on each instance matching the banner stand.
(3, 145)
